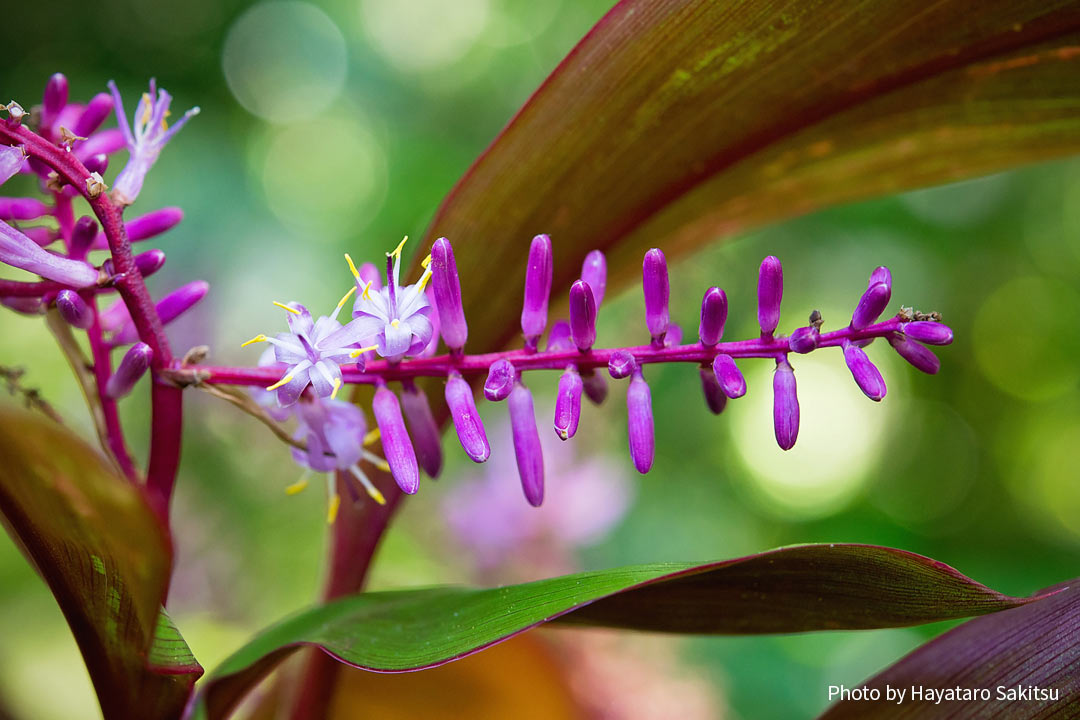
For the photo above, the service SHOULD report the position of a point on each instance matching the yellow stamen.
(424, 278)
(297, 486)
(381, 464)
(367, 290)
(337, 386)
(257, 339)
(283, 306)
(352, 267)
(332, 511)
(395, 323)
(361, 351)
(279, 383)
(149, 103)
(376, 495)
(164, 124)
(345, 299)
(397, 250)
(426, 261)
(372, 436)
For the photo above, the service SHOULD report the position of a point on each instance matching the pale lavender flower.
(785, 405)
(20, 251)
(145, 140)
(527, 448)
(568, 403)
(135, 363)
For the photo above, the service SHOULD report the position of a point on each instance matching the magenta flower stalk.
(146, 136)
(770, 293)
(133, 366)
(397, 447)
(467, 423)
(446, 286)
(527, 450)
(657, 291)
(714, 311)
(639, 421)
(424, 430)
(568, 403)
(534, 310)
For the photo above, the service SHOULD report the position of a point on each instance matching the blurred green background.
(338, 126)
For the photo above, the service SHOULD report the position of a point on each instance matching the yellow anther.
(352, 267)
(397, 250)
(376, 495)
(395, 323)
(424, 278)
(164, 124)
(367, 290)
(426, 261)
(337, 386)
(279, 383)
(149, 104)
(345, 299)
(372, 436)
(257, 339)
(382, 465)
(361, 351)
(332, 511)
(283, 306)
(297, 486)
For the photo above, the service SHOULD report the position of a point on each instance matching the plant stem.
(114, 433)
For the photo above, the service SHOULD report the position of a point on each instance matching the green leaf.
(94, 540)
(795, 589)
(1007, 655)
(677, 122)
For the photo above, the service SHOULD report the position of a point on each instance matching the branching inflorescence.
(393, 334)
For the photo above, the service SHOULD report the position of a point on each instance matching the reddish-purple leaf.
(106, 558)
(1004, 656)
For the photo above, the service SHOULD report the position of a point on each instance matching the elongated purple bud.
(881, 274)
(500, 380)
(621, 364)
(537, 290)
(146, 226)
(654, 283)
(530, 458)
(866, 375)
(133, 366)
(673, 336)
(559, 337)
(728, 375)
(74, 309)
(397, 447)
(872, 303)
(169, 308)
(804, 339)
(95, 113)
(98, 163)
(770, 291)
(568, 403)
(582, 316)
(931, 333)
(370, 273)
(447, 288)
(715, 399)
(17, 250)
(470, 430)
(594, 272)
(24, 305)
(922, 357)
(150, 262)
(595, 386)
(424, 429)
(714, 309)
(22, 209)
(639, 422)
(54, 100)
(785, 405)
(82, 237)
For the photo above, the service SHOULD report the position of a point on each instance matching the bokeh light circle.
(284, 60)
(1019, 342)
(420, 35)
(840, 435)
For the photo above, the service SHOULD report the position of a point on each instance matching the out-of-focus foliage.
(964, 467)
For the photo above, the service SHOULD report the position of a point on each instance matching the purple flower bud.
(713, 316)
(447, 288)
(146, 226)
(770, 291)
(673, 336)
(132, 367)
(97, 163)
(169, 308)
(397, 447)
(537, 289)
(866, 375)
(872, 303)
(20, 251)
(530, 458)
(640, 422)
(881, 275)
(11, 161)
(654, 282)
(150, 262)
(74, 309)
(500, 380)
(559, 337)
(804, 339)
(727, 374)
(22, 209)
(715, 399)
(99, 108)
(56, 97)
(470, 430)
(929, 332)
(425, 431)
(594, 272)
(582, 315)
(595, 386)
(568, 403)
(82, 237)
(24, 305)
(915, 353)
(785, 405)
(621, 364)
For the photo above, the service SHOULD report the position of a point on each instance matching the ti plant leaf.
(677, 122)
(94, 540)
(795, 589)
